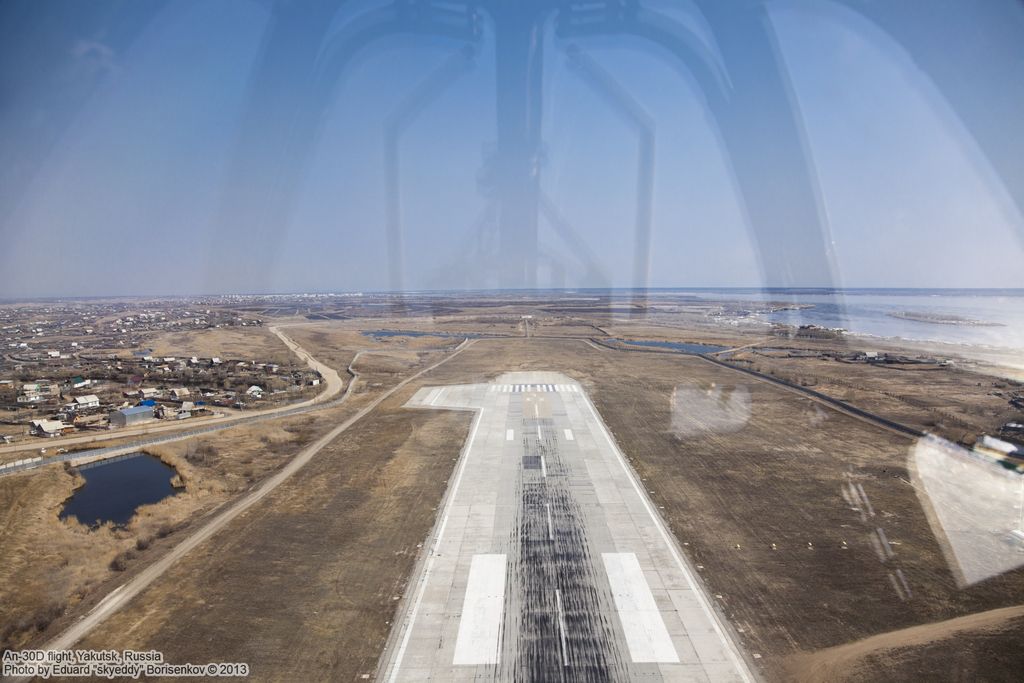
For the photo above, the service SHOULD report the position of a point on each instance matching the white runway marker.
(867, 503)
(543, 467)
(885, 542)
(561, 627)
(480, 626)
(903, 582)
(509, 434)
(645, 630)
(551, 527)
(569, 436)
(896, 587)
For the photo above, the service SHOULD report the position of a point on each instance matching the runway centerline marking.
(561, 627)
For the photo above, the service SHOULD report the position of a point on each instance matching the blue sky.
(136, 159)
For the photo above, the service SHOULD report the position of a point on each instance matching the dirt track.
(847, 661)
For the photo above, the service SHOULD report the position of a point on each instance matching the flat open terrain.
(754, 481)
(239, 343)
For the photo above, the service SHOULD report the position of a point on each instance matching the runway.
(547, 561)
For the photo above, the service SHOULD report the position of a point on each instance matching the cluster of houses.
(172, 405)
(124, 391)
(38, 391)
(41, 390)
(177, 403)
(69, 328)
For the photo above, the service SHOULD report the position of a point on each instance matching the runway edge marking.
(425, 575)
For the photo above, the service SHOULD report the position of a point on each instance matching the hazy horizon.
(849, 290)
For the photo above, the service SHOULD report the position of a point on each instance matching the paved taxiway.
(547, 561)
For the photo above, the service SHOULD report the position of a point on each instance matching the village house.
(83, 402)
(49, 428)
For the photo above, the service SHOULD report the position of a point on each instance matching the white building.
(90, 401)
(48, 428)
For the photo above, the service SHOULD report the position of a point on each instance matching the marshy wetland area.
(784, 459)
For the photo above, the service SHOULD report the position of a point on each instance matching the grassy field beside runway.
(306, 584)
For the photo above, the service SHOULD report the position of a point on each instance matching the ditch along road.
(121, 595)
(177, 431)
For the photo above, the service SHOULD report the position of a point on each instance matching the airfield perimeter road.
(333, 386)
(548, 561)
(124, 593)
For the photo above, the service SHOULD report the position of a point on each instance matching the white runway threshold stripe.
(510, 434)
(646, 635)
(480, 627)
(568, 435)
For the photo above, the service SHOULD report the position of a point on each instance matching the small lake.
(114, 490)
(682, 347)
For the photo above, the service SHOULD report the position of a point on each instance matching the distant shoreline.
(942, 319)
